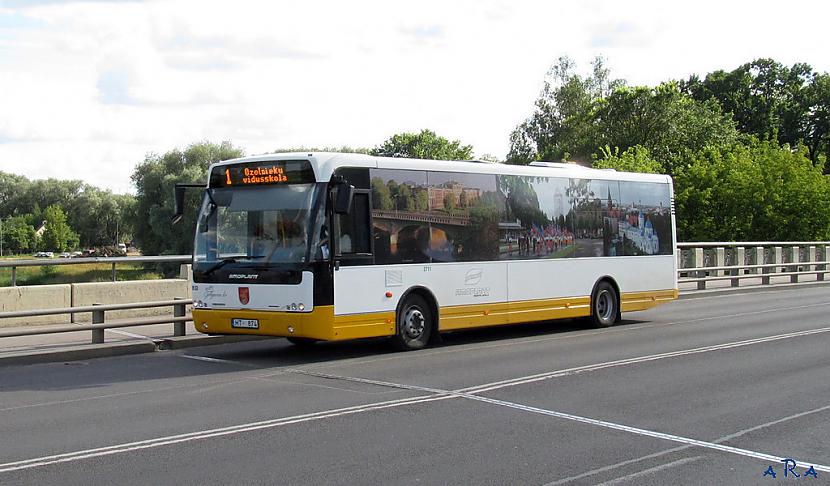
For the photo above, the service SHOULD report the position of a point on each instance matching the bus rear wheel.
(415, 323)
(605, 311)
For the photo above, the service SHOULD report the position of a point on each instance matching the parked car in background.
(44, 254)
(65, 255)
(76, 254)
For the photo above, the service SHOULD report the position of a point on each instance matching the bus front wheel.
(415, 323)
(605, 309)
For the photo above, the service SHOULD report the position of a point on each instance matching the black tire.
(301, 341)
(605, 306)
(414, 324)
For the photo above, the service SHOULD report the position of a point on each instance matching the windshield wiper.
(224, 261)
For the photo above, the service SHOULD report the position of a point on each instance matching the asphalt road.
(712, 390)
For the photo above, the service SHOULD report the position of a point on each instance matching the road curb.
(76, 353)
(183, 342)
(697, 294)
(83, 352)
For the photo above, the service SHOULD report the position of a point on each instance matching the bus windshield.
(259, 225)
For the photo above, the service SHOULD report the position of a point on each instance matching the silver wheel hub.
(413, 323)
(605, 306)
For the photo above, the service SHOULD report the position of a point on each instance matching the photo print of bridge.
(420, 217)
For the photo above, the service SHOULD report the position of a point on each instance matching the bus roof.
(326, 163)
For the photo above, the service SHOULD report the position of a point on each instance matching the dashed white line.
(720, 440)
(205, 434)
(651, 470)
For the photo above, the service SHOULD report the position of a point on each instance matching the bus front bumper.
(320, 323)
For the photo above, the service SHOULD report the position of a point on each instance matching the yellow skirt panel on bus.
(483, 315)
(321, 323)
(636, 301)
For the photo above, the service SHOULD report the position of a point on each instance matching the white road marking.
(651, 470)
(611, 467)
(684, 447)
(218, 360)
(205, 434)
(519, 341)
(577, 418)
(130, 334)
(639, 359)
(438, 394)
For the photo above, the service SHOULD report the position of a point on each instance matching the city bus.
(334, 246)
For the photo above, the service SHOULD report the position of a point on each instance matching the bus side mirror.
(178, 204)
(178, 200)
(344, 198)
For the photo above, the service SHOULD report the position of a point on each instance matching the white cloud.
(89, 87)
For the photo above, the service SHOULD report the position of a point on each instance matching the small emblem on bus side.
(473, 276)
(244, 295)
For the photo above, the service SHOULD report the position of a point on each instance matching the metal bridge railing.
(735, 261)
(99, 325)
(697, 263)
(113, 261)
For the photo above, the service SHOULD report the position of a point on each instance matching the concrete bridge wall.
(82, 294)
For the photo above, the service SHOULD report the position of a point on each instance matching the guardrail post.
(796, 253)
(766, 270)
(14, 276)
(811, 257)
(759, 259)
(179, 310)
(795, 257)
(697, 258)
(720, 260)
(97, 318)
(778, 259)
(740, 260)
(823, 268)
(113, 271)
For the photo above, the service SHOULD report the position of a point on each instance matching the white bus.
(332, 246)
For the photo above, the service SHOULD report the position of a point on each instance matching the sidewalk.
(69, 346)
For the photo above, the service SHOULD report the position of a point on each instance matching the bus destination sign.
(262, 174)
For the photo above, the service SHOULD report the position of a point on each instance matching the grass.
(87, 272)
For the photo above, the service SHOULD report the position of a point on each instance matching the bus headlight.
(301, 306)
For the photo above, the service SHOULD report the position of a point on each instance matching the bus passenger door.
(352, 233)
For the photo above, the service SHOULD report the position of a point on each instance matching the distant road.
(710, 390)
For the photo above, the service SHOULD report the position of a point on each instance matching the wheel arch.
(431, 300)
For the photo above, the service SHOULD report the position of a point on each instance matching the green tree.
(18, 235)
(154, 180)
(423, 145)
(753, 191)
(817, 130)
(633, 159)
(662, 120)
(770, 100)
(561, 126)
(58, 235)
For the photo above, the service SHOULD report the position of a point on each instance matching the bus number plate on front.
(245, 323)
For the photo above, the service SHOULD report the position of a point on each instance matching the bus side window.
(354, 231)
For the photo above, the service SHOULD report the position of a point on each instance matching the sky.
(89, 88)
